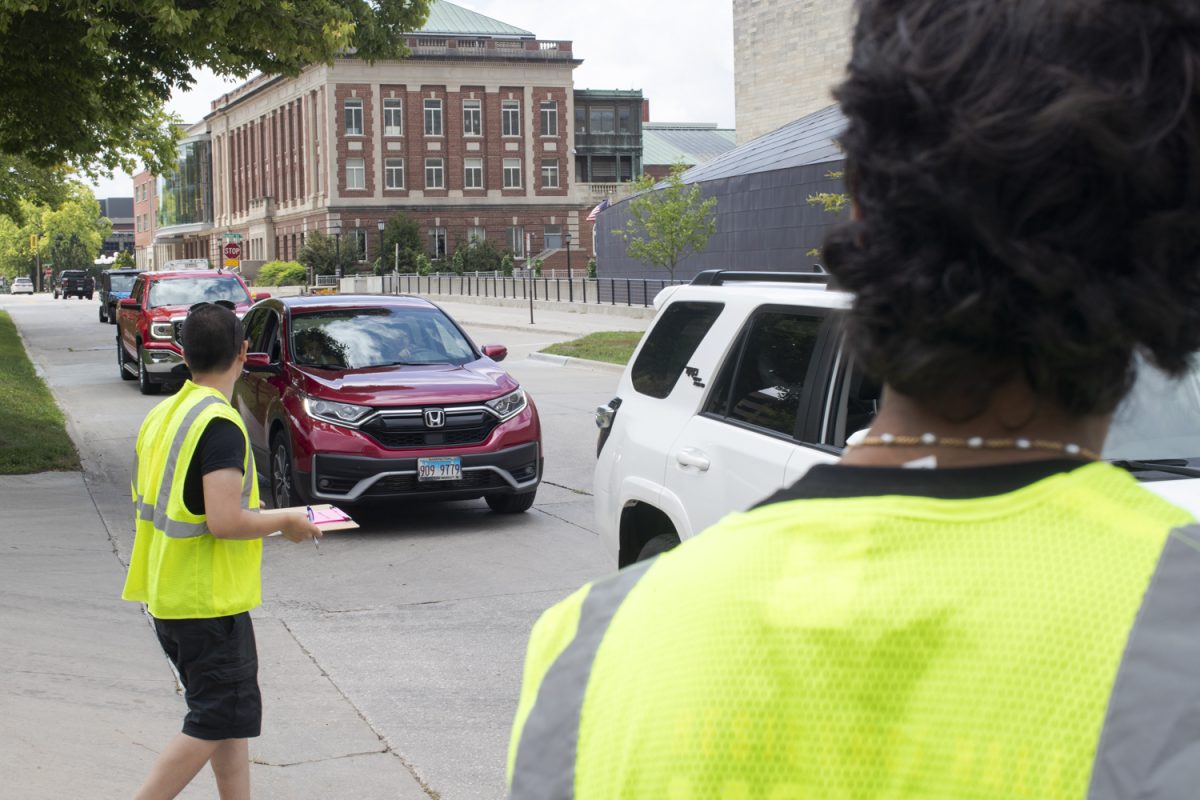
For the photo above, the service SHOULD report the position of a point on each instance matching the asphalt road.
(420, 618)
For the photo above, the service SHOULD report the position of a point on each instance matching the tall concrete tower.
(788, 55)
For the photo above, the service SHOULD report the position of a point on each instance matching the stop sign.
(233, 250)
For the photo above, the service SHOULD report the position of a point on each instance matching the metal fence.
(596, 291)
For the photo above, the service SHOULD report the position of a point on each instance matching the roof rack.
(717, 277)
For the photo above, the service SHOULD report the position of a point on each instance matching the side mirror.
(496, 352)
(261, 296)
(261, 362)
(130, 303)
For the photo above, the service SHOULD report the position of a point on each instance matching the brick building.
(145, 209)
(470, 135)
(788, 56)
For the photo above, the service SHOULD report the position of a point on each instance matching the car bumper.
(163, 362)
(348, 479)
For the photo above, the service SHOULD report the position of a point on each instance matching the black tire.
(90, 297)
(284, 493)
(511, 503)
(146, 384)
(112, 314)
(658, 545)
(125, 376)
(100, 313)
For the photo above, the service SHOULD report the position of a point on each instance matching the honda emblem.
(435, 418)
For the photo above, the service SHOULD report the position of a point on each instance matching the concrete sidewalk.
(89, 699)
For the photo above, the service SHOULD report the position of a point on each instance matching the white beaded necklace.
(972, 443)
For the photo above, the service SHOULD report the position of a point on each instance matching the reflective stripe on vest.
(545, 765)
(1150, 744)
(156, 513)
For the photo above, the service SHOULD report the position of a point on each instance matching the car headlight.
(162, 330)
(509, 405)
(341, 413)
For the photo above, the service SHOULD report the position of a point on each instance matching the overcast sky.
(678, 52)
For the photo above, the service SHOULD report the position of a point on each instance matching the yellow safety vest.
(874, 648)
(178, 568)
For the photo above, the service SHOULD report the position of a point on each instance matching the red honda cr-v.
(355, 398)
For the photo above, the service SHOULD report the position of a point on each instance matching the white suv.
(741, 385)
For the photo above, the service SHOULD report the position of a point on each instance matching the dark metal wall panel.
(764, 222)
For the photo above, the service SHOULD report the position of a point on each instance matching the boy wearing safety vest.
(197, 555)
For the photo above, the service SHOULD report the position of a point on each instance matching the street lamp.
(382, 225)
(570, 282)
(336, 230)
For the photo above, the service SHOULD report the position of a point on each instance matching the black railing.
(595, 291)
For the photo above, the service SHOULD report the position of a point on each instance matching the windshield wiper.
(1172, 466)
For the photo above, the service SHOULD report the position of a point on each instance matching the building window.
(435, 174)
(512, 173)
(433, 117)
(549, 173)
(437, 242)
(393, 117)
(476, 234)
(625, 119)
(473, 173)
(602, 120)
(516, 241)
(510, 118)
(472, 118)
(393, 173)
(356, 173)
(549, 118)
(581, 119)
(553, 237)
(353, 110)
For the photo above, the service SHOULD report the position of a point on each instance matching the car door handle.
(690, 457)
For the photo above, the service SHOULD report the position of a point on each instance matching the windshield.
(1159, 419)
(359, 338)
(121, 283)
(188, 291)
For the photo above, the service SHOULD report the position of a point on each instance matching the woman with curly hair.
(971, 603)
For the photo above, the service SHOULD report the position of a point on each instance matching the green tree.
(84, 83)
(123, 260)
(281, 273)
(67, 251)
(829, 202)
(404, 231)
(20, 179)
(78, 217)
(479, 256)
(320, 253)
(667, 224)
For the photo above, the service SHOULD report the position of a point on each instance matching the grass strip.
(33, 433)
(613, 347)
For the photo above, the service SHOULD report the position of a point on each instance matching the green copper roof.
(695, 143)
(451, 20)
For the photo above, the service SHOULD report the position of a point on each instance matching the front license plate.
(439, 469)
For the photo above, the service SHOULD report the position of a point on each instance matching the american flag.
(596, 211)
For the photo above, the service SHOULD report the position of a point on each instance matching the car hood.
(180, 311)
(1183, 492)
(381, 387)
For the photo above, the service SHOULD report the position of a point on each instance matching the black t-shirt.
(953, 483)
(221, 446)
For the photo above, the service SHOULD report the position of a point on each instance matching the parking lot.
(412, 628)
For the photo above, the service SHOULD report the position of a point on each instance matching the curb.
(564, 361)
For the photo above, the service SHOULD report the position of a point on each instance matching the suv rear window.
(670, 345)
(763, 384)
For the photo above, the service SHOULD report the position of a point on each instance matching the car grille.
(406, 484)
(461, 428)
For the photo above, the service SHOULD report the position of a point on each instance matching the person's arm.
(229, 519)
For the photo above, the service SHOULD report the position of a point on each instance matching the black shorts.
(218, 664)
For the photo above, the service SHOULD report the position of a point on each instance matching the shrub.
(282, 273)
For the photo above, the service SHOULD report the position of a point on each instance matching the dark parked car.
(114, 286)
(356, 398)
(75, 283)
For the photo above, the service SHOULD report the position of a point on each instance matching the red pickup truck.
(150, 319)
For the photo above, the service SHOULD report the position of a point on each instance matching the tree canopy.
(322, 252)
(84, 84)
(404, 231)
(68, 234)
(669, 223)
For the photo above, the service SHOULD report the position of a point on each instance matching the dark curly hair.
(1027, 177)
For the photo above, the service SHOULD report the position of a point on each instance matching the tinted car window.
(670, 345)
(186, 291)
(358, 338)
(762, 384)
(254, 324)
(1159, 419)
(120, 283)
